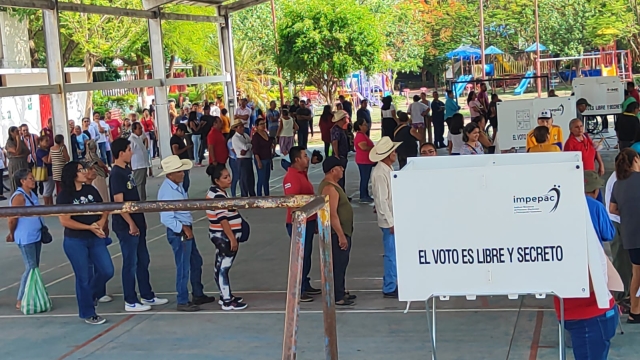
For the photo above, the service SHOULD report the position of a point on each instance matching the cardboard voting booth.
(517, 118)
(604, 93)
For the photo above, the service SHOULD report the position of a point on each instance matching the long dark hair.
(457, 124)
(624, 163)
(11, 130)
(327, 114)
(468, 129)
(69, 175)
(386, 102)
(470, 96)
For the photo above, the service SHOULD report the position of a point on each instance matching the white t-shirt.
(387, 113)
(139, 154)
(106, 128)
(456, 142)
(94, 131)
(607, 196)
(215, 111)
(416, 109)
(245, 111)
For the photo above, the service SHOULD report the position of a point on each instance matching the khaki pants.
(621, 262)
(140, 177)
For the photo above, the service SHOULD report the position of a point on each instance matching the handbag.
(40, 173)
(246, 230)
(45, 235)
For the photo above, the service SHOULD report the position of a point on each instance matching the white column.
(160, 92)
(55, 71)
(227, 64)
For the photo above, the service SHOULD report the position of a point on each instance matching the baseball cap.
(330, 163)
(582, 101)
(545, 114)
(592, 181)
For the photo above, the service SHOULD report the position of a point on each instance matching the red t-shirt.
(115, 128)
(220, 149)
(362, 156)
(297, 182)
(147, 124)
(635, 94)
(586, 148)
(581, 308)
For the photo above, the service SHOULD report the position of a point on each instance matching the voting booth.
(604, 93)
(519, 117)
(540, 241)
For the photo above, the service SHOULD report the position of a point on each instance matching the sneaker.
(105, 299)
(233, 305)
(348, 296)
(304, 297)
(95, 320)
(391, 295)
(2, 197)
(313, 291)
(188, 307)
(137, 307)
(233, 298)
(345, 302)
(154, 301)
(204, 299)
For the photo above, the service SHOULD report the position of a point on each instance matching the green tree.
(326, 40)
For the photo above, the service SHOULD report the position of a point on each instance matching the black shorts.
(634, 255)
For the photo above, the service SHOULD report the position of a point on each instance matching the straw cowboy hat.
(339, 115)
(173, 164)
(382, 149)
(236, 124)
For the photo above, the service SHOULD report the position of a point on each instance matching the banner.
(517, 118)
(604, 93)
(504, 224)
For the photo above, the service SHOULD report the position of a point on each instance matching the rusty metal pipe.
(292, 308)
(326, 271)
(295, 201)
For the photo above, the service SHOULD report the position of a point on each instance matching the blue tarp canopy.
(465, 52)
(492, 50)
(532, 48)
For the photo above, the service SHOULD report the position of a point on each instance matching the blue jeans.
(235, 175)
(312, 226)
(91, 281)
(186, 182)
(31, 258)
(188, 266)
(591, 338)
(135, 264)
(247, 179)
(365, 176)
(102, 146)
(390, 279)
(263, 176)
(196, 148)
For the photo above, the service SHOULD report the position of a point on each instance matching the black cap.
(330, 163)
(583, 101)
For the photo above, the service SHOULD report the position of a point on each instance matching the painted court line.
(213, 293)
(101, 334)
(535, 341)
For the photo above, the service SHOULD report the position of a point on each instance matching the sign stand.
(431, 322)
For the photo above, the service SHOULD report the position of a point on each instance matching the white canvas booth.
(519, 117)
(604, 93)
(537, 242)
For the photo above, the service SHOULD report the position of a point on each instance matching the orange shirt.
(226, 124)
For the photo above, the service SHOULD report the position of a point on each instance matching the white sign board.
(604, 93)
(517, 118)
(504, 224)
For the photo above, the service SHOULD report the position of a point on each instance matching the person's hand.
(392, 230)
(188, 232)
(259, 164)
(133, 230)
(214, 163)
(97, 230)
(243, 152)
(10, 238)
(233, 244)
(601, 170)
(342, 242)
(189, 146)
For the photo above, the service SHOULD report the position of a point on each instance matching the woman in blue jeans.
(25, 231)
(85, 241)
(261, 144)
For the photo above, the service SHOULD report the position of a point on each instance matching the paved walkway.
(487, 328)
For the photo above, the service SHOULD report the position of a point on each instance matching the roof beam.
(154, 4)
(106, 10)
(195, 18)
(29, 4)
(242, 4)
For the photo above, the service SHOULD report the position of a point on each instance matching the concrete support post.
(55, 71)
(227, 64)
(163, 121)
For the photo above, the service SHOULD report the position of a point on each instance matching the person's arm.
(279, 128)
(449, 144)
(212, 155)
(364, 146)
(176, 149)
(484, 140)
(69, 223)
(613, 205)
(65, 154)
(600, 164)
(133, 228)
(383, 207)
(233, 242)
(168, 218)
(17, 200)
(334, 198)
(415, 133)
(607, 231)
(47, 159)
(334, 145)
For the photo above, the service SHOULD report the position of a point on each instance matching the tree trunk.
(68, 51)
(89, 64)
(423, 72)
(172, 65)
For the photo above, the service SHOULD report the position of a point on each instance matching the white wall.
(15, 42)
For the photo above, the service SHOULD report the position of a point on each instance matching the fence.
(306, 206)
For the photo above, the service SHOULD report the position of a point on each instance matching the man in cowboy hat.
(384, 153)
(339, 141)
(180, 235)
(241, 143)
(341, 214)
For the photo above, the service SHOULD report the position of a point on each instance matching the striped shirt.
(217, 216)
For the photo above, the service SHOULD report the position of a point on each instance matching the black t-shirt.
(626, 127)
(121, 181)
(303, 112)
(348, 108)
(409, 146)
(177, 140)
(293, 109)
(87, 195)
(207, 124)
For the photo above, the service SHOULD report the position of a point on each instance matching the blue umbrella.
(492, 50)
(465, 52)
(532, 48)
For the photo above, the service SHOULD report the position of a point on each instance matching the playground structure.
(359, 86)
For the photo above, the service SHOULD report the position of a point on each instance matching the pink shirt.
(362, 156)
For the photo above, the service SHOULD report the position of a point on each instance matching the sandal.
(633, 318)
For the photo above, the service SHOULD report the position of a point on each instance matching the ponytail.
(624, 163)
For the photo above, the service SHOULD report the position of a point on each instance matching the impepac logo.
(535, 204)
(557, 112)
(613, 90)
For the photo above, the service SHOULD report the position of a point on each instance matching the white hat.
(382, 149)
(339, 115)
(173, 164)
(545, 114)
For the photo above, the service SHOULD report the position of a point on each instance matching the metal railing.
(306, 206)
